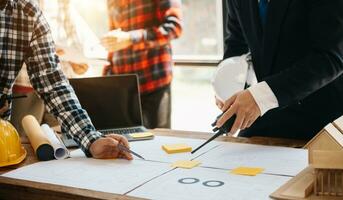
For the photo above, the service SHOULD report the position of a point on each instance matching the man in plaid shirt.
(25, 37)
(140, 43)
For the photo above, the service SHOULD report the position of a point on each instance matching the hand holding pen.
(108, 147)
(243, 105)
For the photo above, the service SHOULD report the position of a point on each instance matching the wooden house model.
(323, 178)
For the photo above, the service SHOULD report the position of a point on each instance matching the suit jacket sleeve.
(235, 43)
(323, 64)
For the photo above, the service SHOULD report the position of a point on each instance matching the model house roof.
(338, 123)
(329, 132)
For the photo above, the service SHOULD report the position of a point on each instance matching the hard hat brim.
(17, 161)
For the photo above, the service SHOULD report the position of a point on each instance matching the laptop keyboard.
(123, 131)
(69, 142)
(120, 131)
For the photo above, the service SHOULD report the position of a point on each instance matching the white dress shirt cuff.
(264, 97)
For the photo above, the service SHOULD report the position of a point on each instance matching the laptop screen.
(111, 101)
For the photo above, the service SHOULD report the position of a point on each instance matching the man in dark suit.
(297, 54)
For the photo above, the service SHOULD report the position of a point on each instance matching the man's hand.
(244, 106)
(106, 148)
(116, 40)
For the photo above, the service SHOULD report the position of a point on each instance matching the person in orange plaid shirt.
(139, 43)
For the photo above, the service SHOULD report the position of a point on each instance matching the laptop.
(113, 104)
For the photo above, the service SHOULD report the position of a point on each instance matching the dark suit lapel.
(276, 13)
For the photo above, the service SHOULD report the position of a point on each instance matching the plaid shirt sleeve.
(169, 14)
(53, 87)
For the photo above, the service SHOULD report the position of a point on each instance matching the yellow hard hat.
(11, 150)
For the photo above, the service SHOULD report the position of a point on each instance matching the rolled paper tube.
(39, 141)
(60, 151)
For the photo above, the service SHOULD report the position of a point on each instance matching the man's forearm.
(49, 81)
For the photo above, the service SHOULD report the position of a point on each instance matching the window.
(193, 102)
(202, 41)
(194, 106)
(202, 37)
(94, 12)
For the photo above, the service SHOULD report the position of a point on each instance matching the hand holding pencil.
(109, 147)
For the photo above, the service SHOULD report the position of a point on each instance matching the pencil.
(124, 148)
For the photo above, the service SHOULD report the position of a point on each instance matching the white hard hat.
(230, 77)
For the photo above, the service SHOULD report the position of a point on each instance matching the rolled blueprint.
(60, 151)
(38, 139)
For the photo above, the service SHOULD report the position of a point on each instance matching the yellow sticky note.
(176, 148)
(247, 171)
(186, 164)
(142, 135)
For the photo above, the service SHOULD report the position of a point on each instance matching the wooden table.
(20, 189)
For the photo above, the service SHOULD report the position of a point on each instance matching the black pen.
(124, 148)
(226, 127)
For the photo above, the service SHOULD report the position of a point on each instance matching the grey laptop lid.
(112, 102)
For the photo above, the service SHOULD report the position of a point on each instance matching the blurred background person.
(139, 43)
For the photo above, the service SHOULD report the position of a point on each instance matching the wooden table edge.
(13, 188)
